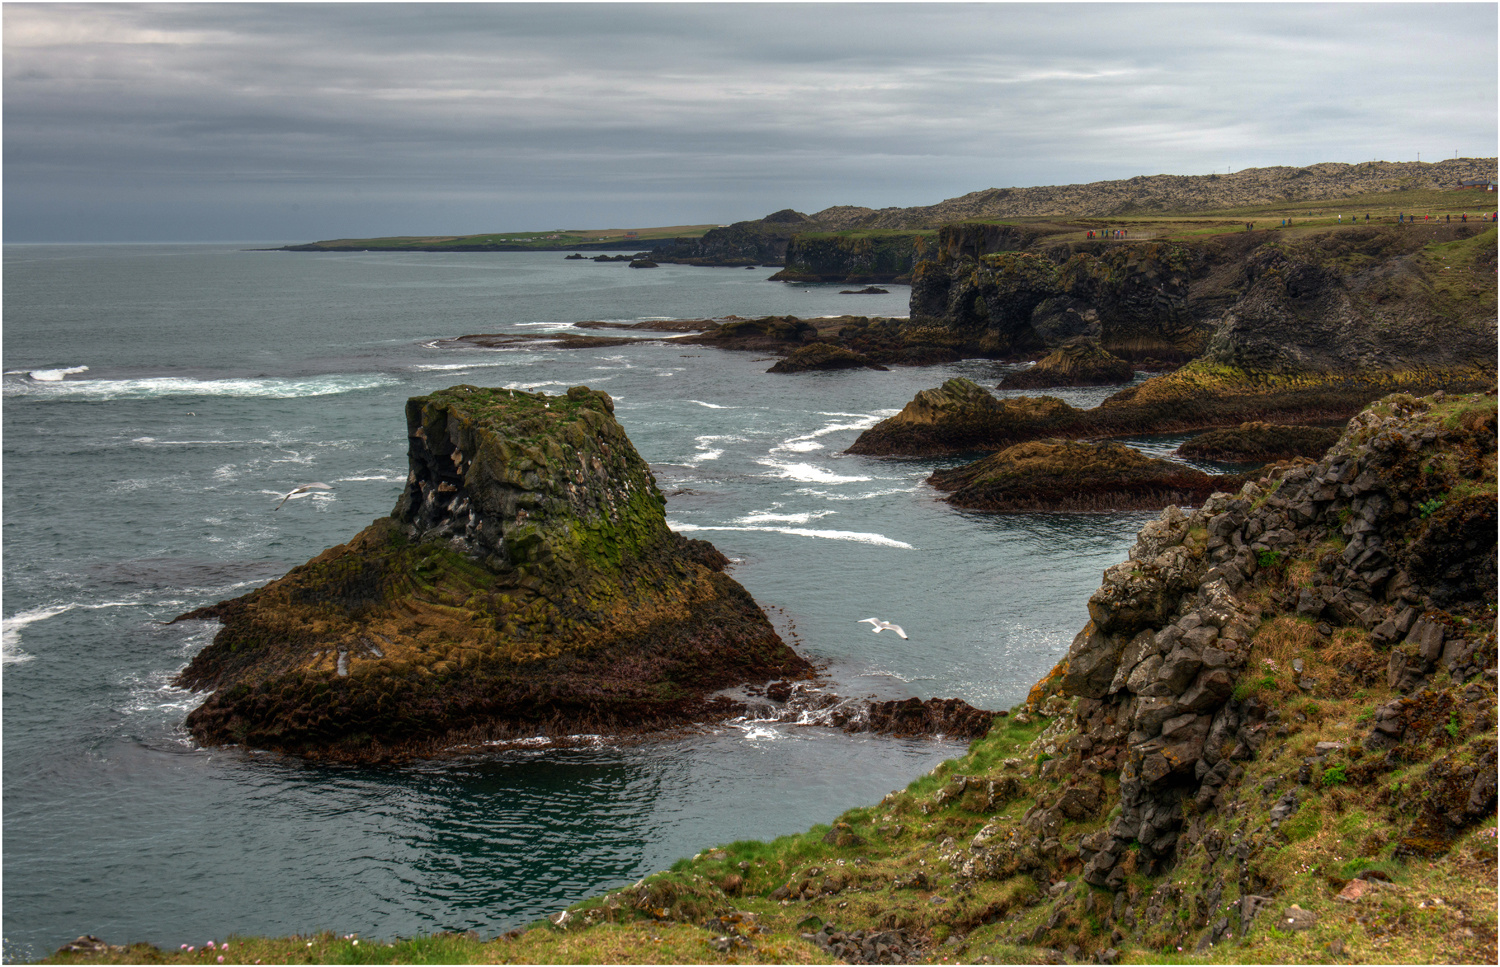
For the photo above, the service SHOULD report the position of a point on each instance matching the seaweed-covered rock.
(822, 355)
(772, 333)
(1262, 443)
(1077, 362)
(962, 416)
(525, 581)
(1054, 475)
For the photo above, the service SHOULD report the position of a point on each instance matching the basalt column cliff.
(525, 581)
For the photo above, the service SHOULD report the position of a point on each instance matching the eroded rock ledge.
(526, 581)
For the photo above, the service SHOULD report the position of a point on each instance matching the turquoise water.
(217, 378)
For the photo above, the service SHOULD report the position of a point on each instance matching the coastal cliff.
(1273, 741)
(853, 257)
(1295, 331)
(526, 582)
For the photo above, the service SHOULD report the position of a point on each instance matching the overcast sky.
(294, 122)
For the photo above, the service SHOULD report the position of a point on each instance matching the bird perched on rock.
(880, 626)
(304, 489)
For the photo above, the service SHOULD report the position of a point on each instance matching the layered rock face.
(1133, 299)
(866, 257)
(1381, 556)
(1065, 475)
(526, 580)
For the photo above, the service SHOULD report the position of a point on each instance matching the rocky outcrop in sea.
(525, 583)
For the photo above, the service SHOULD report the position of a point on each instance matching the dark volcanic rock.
(525, 582)
(962, 416)
(643, 264)
(950, 717)
(1164, 671)
(1261, 443)
(822, 355)
(770, 333)
(1077, 362)
(867, 290)
(1063, 475)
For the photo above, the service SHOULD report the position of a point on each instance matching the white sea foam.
(856, 536)
(713, 406)
(10, 628)
(395, 477)
(55, 375)
(831, 495)
(807, 473)
(758, 733)
(770, 518)
(447, 367)
(162, 386)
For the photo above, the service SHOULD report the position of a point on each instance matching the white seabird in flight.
(299, 491)
(880, 626)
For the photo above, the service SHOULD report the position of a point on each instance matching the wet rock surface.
(822, 356)
(1079, 361)
(1262, 443)
(1064, 475)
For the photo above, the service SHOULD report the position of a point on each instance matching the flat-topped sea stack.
(1068, 475)
(526, 582)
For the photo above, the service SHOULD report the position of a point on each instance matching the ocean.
(157, 400)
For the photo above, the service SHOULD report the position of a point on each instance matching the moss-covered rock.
(1261, 443)
(1077, 362)
(962, 416)
(822, 355)
(525, 581)
(1064, 475)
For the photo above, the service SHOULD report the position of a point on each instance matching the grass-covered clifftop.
(1274, 742)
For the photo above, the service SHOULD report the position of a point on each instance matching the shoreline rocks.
(1065, 475)
(1080, 361)
(526, 580)
(1261, 443)
(823, 356)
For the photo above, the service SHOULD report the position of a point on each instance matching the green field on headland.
(555, 240)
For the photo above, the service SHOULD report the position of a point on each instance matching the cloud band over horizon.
(291, 122)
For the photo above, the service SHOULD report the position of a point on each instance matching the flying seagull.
(880, 626)
(299, 491)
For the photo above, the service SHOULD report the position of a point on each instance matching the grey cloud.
(710, 112)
